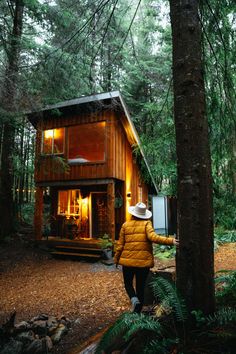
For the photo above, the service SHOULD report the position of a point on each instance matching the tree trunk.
(9, 105)
(195, 258)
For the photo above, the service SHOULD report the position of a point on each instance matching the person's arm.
(120, 245)
(155, 238)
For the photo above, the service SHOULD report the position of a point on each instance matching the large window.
(86, 142)
(53, 141)
(69, 202)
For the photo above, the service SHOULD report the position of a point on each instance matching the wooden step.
(90, 249)
(75, 254)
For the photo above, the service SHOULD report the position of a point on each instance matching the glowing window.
(86, 142)
(53, 141)
(69, 202)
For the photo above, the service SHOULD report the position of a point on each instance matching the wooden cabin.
(86, 173)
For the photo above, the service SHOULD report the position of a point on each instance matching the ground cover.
(91, 295)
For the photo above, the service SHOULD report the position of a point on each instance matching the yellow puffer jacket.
(134, 248)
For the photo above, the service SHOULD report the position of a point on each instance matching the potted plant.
(106, 244)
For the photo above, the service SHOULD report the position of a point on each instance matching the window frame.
(52, 153)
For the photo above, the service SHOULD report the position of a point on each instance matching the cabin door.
(98, 214)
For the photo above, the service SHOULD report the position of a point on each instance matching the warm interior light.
(48, 134)
(85, 201)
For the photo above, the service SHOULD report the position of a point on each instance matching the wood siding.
(48, 167)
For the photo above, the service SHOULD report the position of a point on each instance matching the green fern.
(224, 317)
(160, 346)
(226, 287)
(142, 322)
(167, 293)
(118, 329)
(125, 328)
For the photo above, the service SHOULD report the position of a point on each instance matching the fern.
(142, 322)
(226, 288)
(160, 346)
(223, 317)
(119, 328)
(125, 327)
(167, 293)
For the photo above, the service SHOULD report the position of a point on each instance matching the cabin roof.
(99, 101)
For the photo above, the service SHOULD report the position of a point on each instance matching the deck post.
(38, 213)
(111, 209)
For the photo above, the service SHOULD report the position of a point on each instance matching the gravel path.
(91, 295)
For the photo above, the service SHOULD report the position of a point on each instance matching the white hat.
(140, 211)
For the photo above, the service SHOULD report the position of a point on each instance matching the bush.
(224, 236)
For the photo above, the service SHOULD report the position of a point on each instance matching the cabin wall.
(49, 169)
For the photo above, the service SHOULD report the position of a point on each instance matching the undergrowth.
(167, 329)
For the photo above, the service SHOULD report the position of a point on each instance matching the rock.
(52, 325)
(22, 326)
(60, 331)
(36, 347)
(40, 327)
(49, 343)
(41, 317)
(12, 347)
(52, 330)
(26, 337)
(52, 321)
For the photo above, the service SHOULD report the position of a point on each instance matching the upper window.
(53, 141)
(86, 142)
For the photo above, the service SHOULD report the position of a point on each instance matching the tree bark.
(9, 94)
(195, 258)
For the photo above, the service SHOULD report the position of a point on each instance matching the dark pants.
(140, 275)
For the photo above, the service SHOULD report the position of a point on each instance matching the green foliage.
(173, 332)
(221, 318)
(166, 292)
(224, 236)
(27, 213)
(160, 346)
(226, 288)
(164, 251)
(127, 327)
(225, 210)
(105, 242)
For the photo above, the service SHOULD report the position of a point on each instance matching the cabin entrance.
(99, 214)
(80, 214)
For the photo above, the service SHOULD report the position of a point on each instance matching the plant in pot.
(106, 244)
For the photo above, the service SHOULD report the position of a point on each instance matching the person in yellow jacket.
(134, 252)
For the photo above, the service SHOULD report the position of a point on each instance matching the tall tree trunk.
(9, 94)
(195, 259)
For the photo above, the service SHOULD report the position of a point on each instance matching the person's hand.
(176, 242)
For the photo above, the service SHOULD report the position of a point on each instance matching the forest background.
(51, 51)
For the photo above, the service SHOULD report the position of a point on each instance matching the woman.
(134, 252)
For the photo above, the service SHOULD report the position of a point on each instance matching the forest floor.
(91, 295)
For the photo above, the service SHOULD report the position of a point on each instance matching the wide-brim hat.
(140, 211)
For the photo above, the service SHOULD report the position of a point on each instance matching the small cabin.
(86, 172)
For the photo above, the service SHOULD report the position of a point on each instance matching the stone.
(26, 337)
(41, 317)
(22, 326)
(36, 347)
(77, 321)
(60, 331)
(49, 343)
(12, 347)
(40, 327)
